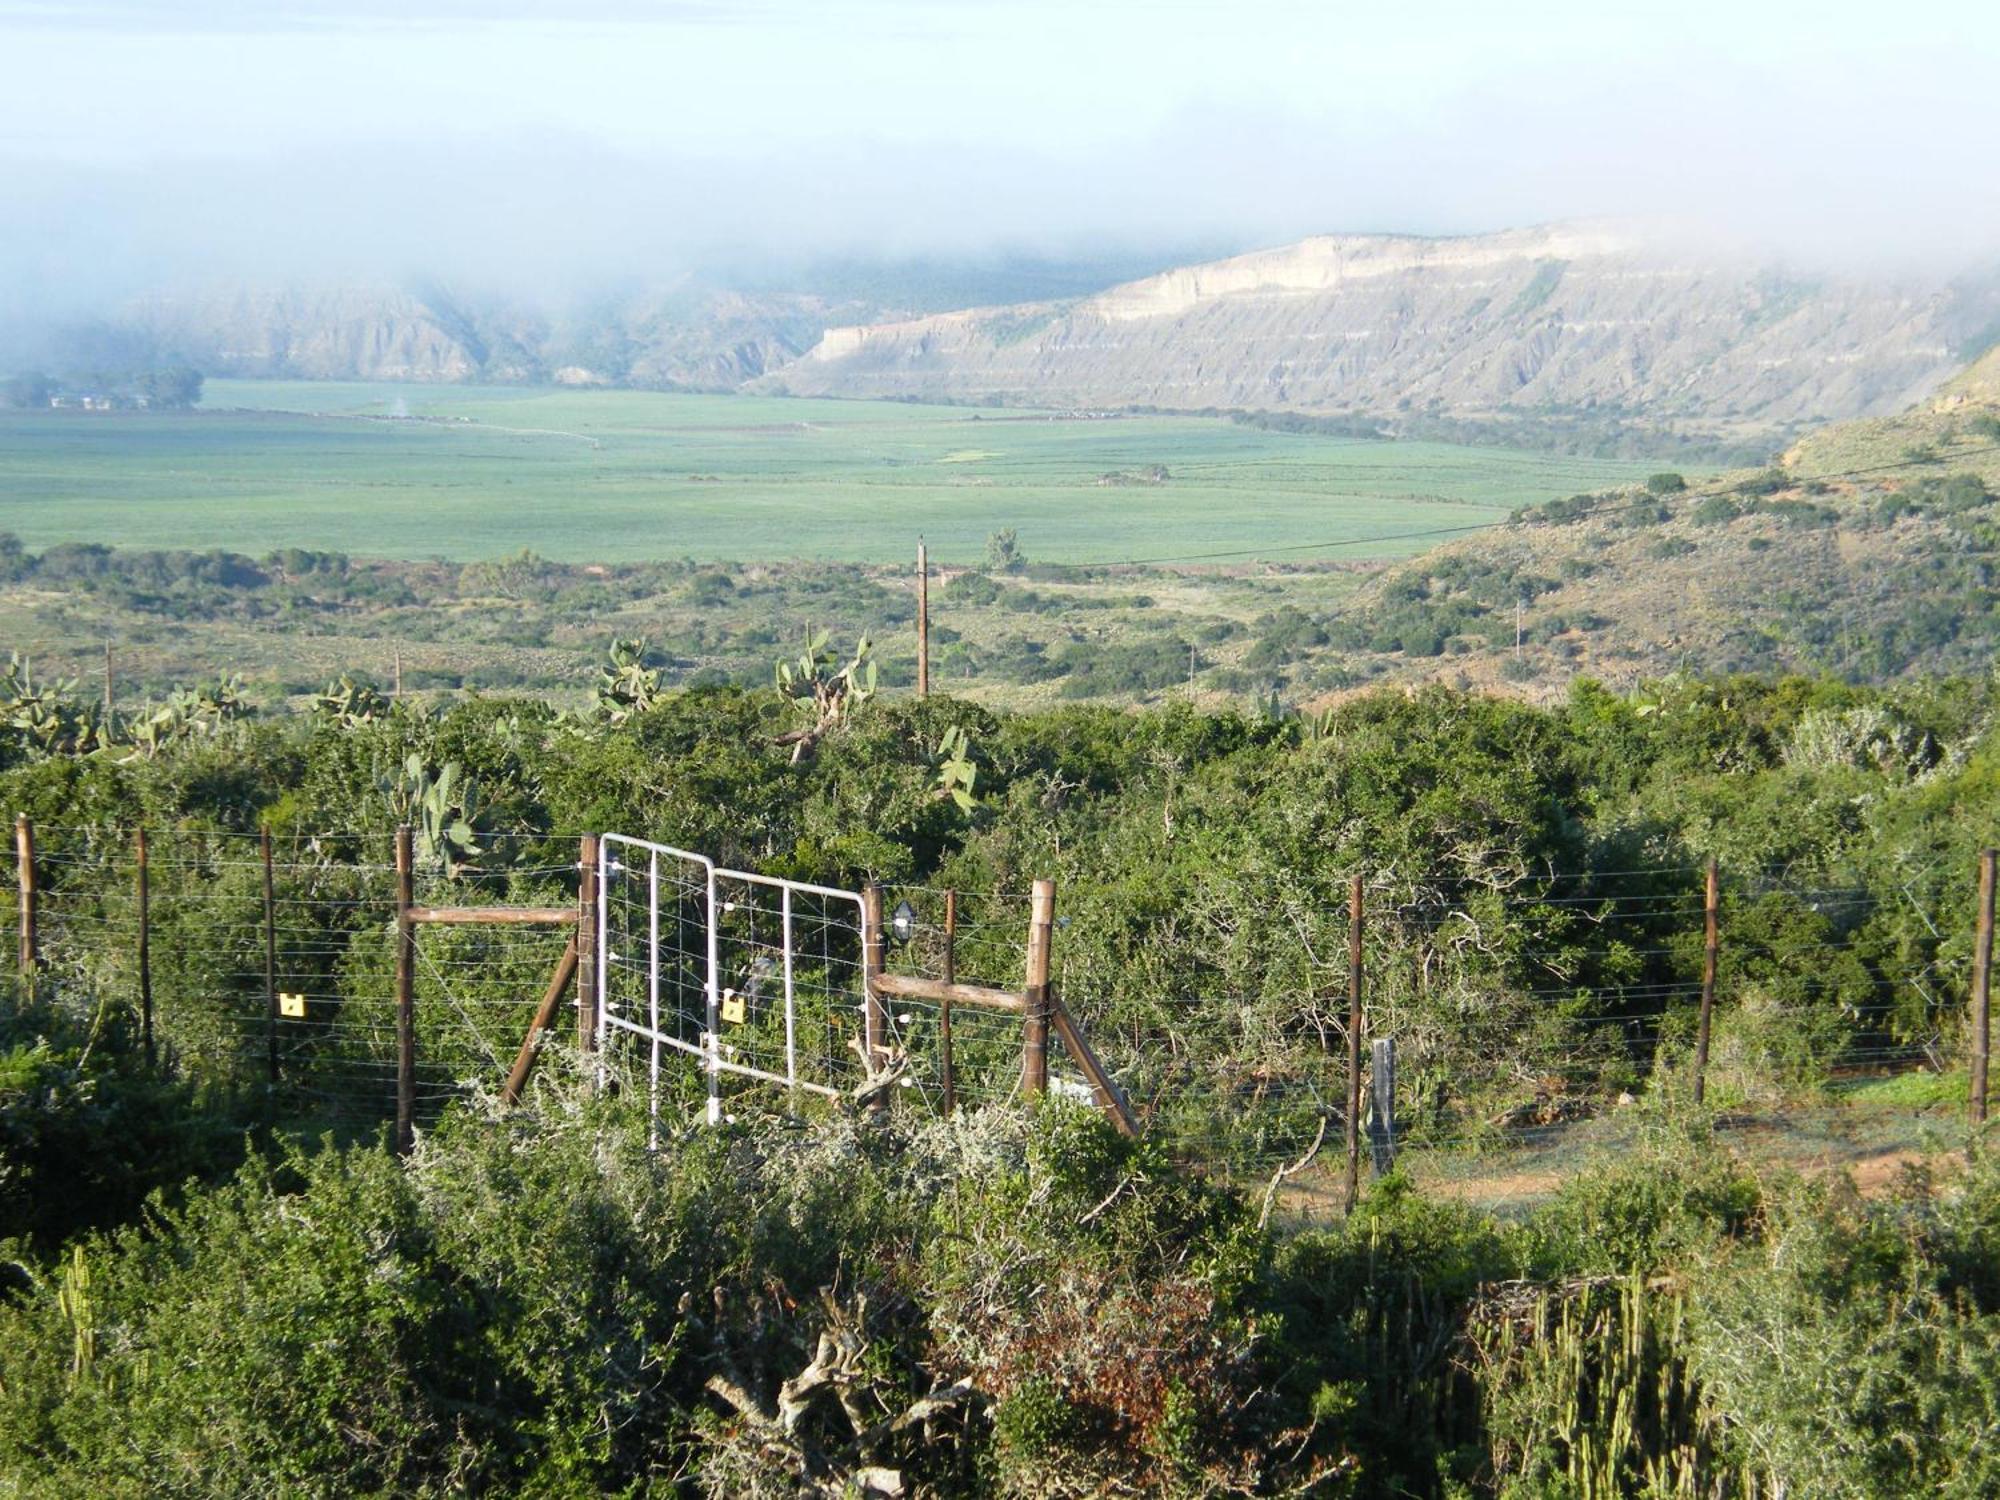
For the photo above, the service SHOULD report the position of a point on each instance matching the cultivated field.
(470, 473)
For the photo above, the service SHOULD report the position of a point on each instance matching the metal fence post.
(1382, 1118)
(1710, 944)
(1354, 918)
(270, 958)
(406, 996)
(946, 1077)
(588, 956)
(145, 894)
(1982, 980)
(24, 867)
(871, 1003)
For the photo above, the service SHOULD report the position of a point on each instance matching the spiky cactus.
(822, 696)
(443, 810)
(625, 684)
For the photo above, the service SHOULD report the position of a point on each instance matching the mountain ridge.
(1558, 317)
(1586, 326)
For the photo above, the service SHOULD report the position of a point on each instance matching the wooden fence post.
(24, 867)
(945, 1074)
(1982, 980)
(923, 620)
(538, 1028)
(145, 952)
(1382, 1120)
(406, 996)
(589, 900)
(1354, 916)
(1710, 944)
(1035, 1024)
(872, 965)
(270, 959)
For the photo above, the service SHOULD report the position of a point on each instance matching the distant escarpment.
(675, 338)
(1568, 319)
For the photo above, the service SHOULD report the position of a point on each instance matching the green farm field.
(469, 473)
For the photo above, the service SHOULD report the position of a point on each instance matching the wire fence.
(1521, 1018)
(291, 989)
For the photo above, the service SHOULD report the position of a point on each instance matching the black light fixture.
(903, 922)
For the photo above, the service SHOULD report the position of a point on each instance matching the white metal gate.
(762, 979)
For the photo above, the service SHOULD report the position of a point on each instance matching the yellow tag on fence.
(292, 1005)
(732, 1008)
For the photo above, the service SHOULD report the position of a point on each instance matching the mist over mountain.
(710, 330)
(1555, 319)
(1508, 329)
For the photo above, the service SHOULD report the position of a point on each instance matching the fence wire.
(1520, 1016)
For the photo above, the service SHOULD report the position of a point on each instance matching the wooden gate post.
(1354, 916)
(589, 899)
(271, 959)
(1982, 980)
(24, 867)
(1710, 907)
(145, 951)
(406, 997)
(1035, 1013)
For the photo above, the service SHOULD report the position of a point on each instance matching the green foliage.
(45, 718)
(1715, 510)
(1666, 1206)
(625, 684)
(88, 1130)
(822, 695)
(348, 702)
(443, 809)
(956, 774)
(1003, 552)
(1665, 484)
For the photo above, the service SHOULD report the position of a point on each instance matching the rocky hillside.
(677, 337)
(1869, 551)
(1519, 324)
(711, 330)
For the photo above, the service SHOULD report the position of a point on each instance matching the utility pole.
(923, 620)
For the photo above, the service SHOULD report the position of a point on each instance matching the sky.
(527, 143)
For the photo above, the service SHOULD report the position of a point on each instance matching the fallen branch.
(1271, 1192)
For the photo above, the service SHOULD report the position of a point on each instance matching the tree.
(175, 388)
(1003, 552)
(29, 389)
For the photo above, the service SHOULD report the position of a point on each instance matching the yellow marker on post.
(292, 1005)
(732, 1008)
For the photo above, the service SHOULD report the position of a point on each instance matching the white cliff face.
(1562, 317)
(1328, 264)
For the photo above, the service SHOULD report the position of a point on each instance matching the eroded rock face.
(1559, 318)
(310, 334)
(670, 338)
